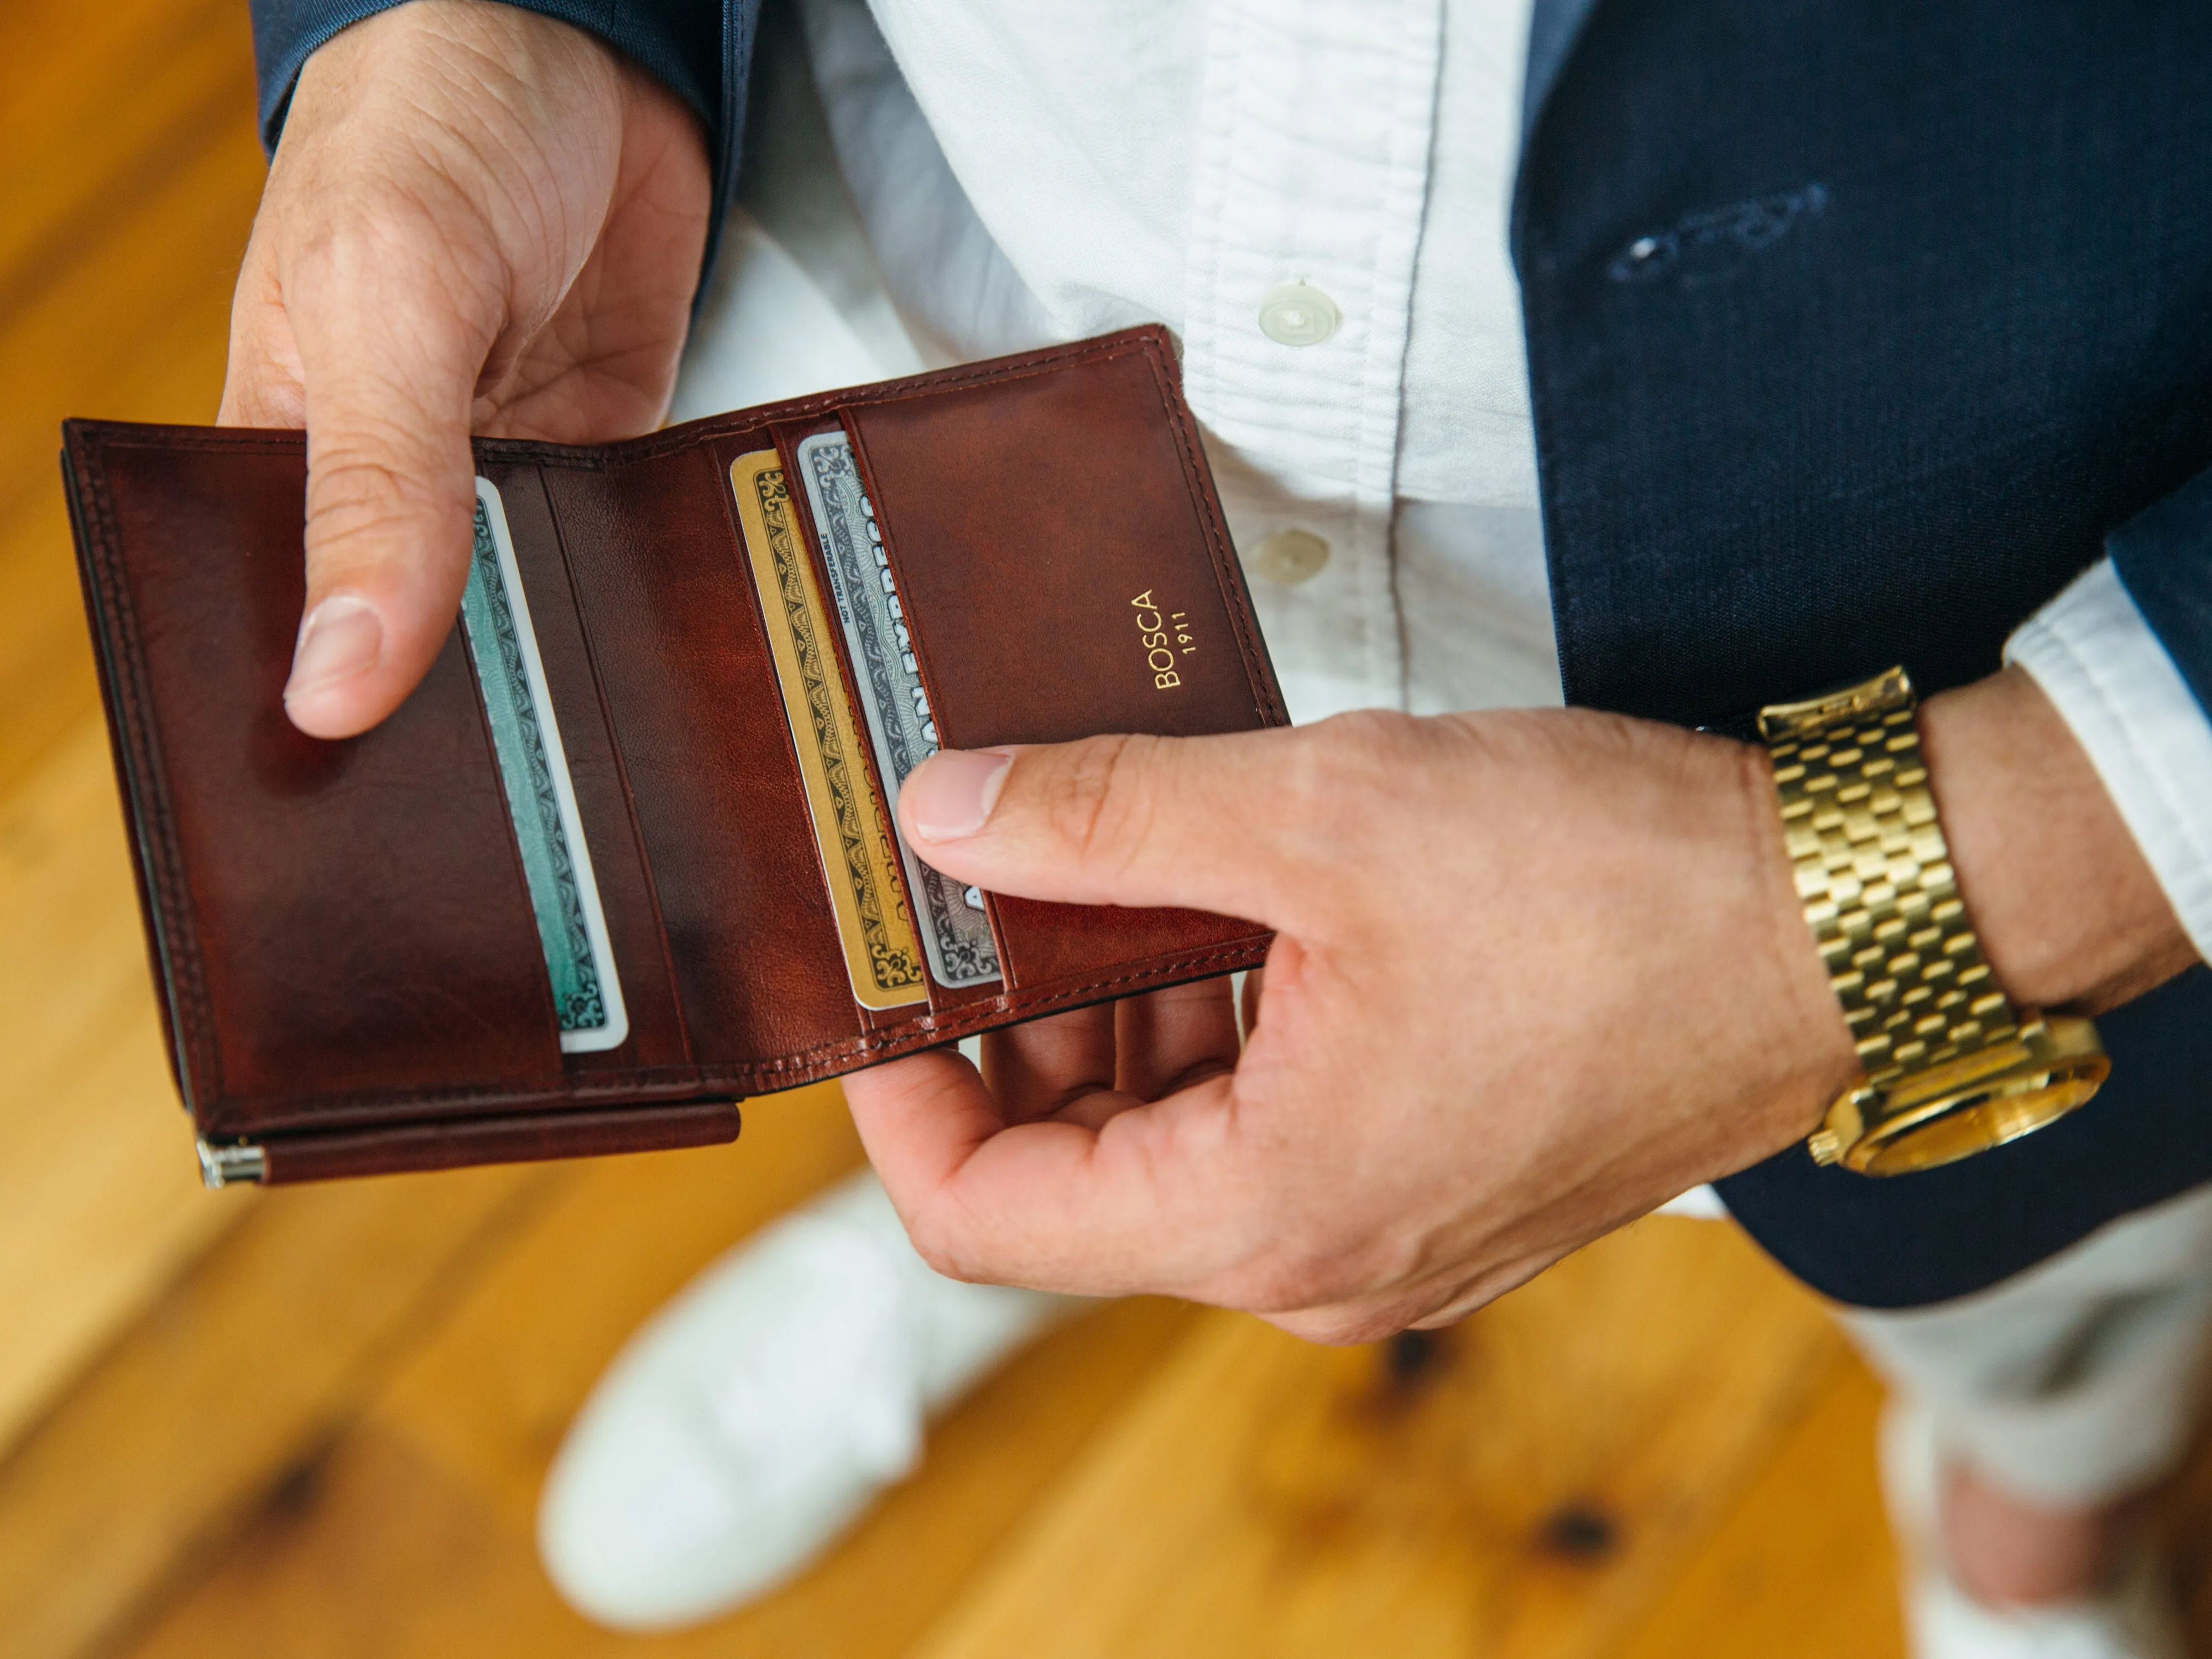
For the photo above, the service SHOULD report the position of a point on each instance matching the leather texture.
(342, 931)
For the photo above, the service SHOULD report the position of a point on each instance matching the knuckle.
(361, 496)
(1347, 765)
(939, 1246)
(1339, 1326)
(1096, 799)
(1284, 1277)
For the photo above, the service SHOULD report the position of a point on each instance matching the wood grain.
(128, 176)
(100, 1201)
(1801, 1565)
(1520, 1486)
(456, 1446)
(260, 1354)
(129, 171)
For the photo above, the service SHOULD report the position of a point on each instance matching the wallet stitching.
(802, 1066)
(182, 950)
(1146, 341)
(961, 1023)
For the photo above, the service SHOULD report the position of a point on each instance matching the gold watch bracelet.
(1949, 1067)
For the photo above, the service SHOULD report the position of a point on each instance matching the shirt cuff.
(2100, 665)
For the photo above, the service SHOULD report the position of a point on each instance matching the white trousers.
(2079, 1381)
(2073, 1383)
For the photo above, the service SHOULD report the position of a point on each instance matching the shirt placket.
(1310, 181)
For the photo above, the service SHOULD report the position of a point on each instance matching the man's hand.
(478, 219)
(1536, 973)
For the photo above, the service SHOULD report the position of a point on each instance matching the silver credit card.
(956, 933)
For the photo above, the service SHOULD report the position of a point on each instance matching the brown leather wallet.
(352, 975)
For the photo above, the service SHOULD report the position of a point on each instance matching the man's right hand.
(480, 220)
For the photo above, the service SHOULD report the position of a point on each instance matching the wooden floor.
(313, 1422)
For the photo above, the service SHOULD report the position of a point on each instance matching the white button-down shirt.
(1315, 198)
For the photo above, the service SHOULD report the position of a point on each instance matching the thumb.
(1209, 823)
(389, 370)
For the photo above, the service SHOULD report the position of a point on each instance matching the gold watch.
(1949, 1067)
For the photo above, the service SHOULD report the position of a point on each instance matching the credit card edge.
(744, 472)
(616, 1031)
(916, 872)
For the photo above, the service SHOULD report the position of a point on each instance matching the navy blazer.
(1856, 329)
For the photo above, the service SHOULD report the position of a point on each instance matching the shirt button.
(1297, 315)
(1289, 557)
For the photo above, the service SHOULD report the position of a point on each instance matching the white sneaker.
(2137, 1619)
(762, 1411)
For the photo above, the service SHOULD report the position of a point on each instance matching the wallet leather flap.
(336, 923)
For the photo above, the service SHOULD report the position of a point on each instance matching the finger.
(1148, 1201)
(390, 348)
(1166, 1040)
(1038, 1069)
(1218, 823)
(1255, 989)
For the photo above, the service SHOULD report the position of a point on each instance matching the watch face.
(2005, 1110)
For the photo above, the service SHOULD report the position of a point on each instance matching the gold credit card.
(857, 856)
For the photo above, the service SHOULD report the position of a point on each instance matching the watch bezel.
(1969, 1105)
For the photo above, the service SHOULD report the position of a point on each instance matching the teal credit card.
(541, 799)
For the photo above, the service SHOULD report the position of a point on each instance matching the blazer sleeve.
(2164, 555)
(2125, 654)
(700, 50)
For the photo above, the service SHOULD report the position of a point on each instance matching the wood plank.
(387, 1549)
(129, 173)
(128, 176)
(100, 1196)
(455, 1448)
(253, 1358)
(496, 1392)
(136, 338)
(2181, 1522)
(1525, 1489)
(1804, 1566)
(132, 174)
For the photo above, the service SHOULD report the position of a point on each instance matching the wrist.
(2068, 911)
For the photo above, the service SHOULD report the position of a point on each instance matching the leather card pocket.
(690, 692)
(613, 850)
(344, 926)
(870, 645)
(1055, 591)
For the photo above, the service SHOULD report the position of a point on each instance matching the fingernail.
(953, 793)
(341, 638)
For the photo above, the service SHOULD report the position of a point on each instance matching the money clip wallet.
(629, 854)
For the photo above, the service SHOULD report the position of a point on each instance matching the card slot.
(856, 847)
(656, 1036)
(348, 919)
(944, 997)
(689, 691)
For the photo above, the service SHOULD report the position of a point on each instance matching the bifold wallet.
(628, 854)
